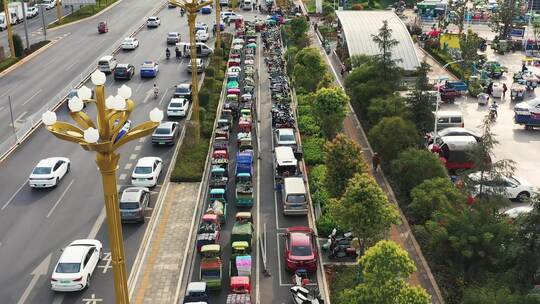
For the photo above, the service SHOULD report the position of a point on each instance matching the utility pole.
(24, 6)
(42, 13)
(59, 11)
(9, 29)
(12, 121)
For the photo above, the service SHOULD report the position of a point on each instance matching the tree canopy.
(392, 135)
(379, 108)
(309, 69)
(330, 106)
(432, 195)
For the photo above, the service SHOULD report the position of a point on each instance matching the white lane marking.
(133, 156)
(12, 197)
(138, 147)
(97, 224)
(148, 94)
(107, 259)
(279, 257)
(122, 176)
(39, 271)
(163, 97)
(2, 108)
(58, 298)
(92, 300)
(142, 139)
(70, 66)
(138, 86)
(128, 166)
(59, 199)
(35, 94)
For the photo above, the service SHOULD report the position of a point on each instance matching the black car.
(183, 91)
(124, 71)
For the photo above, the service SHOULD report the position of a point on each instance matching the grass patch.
(310, 4)
(340, 278)
(190, 163)
(84, 12)
(7, 62)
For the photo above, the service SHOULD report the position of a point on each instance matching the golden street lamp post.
(59, 11)
(191, 8)
(112, 114)
(7, 20)
(218, 25)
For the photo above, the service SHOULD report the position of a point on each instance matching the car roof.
(184, 85)
(166, 124)
(178, 99)
(459, 140)
(449, 113)
(107, 57)
(286, 131)
(153, 17)
(48, 162)
(173, 33)
(73, 254)
(148, 62)
(458, 129)
(147, 161)
(300, 238)
(129, 38)
(132, 194)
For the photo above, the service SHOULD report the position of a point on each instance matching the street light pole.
(218, 24)
(59, 11)
(9, 29)
(191, 9)
(439, 99)
(102, 137)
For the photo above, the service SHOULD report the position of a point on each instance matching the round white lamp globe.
(84, 93)
(98, 77)
(110, 102)
(91, 135)
(48, 118)
(124, 91)
(156, 115)
(75, 104)
(120, 103)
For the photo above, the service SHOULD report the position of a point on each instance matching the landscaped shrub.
(18, 45)
(308, 125)
(313, 150)
(325, 224)
(190, 162)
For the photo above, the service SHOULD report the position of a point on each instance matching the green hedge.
(313, 150)
(190, 163)
(6, 63)
(443, 58)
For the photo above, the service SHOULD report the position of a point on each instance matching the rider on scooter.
(156, 91)
(178, 53)
(493, 109)
(167, 53)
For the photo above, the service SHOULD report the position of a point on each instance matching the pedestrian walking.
(376, 161)
(342, 70)
(260, 8)
(505, 88)
(490, 88)
(523, 68)
(254, 5)
(214, 30)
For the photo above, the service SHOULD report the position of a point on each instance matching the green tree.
(297, 32)
(18, 45)
(330, 108)
(459, 8)
(365, 210)
(495, 293)
(432, 195)
(343, 159)
(386, 107)
(393, 135)
(385, 270)
(413, 166)
(469, 44)
(419, 102)
(385, 42)
(309, 69)
(501, 20)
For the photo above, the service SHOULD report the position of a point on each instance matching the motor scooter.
(168, 54)
(302, 295)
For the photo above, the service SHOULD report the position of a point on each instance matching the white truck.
(16, 12)
(3, 24)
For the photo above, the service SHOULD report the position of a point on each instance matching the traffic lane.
(52, 73)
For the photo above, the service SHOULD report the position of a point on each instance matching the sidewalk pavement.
(401, 234)
(156, 283)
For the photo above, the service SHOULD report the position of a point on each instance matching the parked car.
(206, 10)
(130, 43)
(124, 71)
(226, 16)
(511, 187)
(173, 38)
(149, 69)
(178, 106)
(31, 12)
(183, 91)
(201, 26)
(202, 35)
(300, 250)
(166, 133)
(146, 172)
(133, 204)
(517, 211)
(153, 21)
(49, 4)
(199, 66)
(48, 172)
(76, 265)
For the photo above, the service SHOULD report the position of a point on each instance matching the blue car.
(149, 69)
(206, 10)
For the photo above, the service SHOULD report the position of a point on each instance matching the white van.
(107, 64)
(285, 164)
(447, 119)
(294, 196)
(246, 5)
(203, 50)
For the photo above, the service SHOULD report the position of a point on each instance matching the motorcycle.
(492, 115)
(156, 93)
(340, 247)
(168, 54)
(300, 278)
(302, 295)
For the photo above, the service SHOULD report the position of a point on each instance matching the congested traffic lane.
(28, 236)
(39, 81)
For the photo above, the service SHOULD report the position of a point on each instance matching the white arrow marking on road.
(40, 270)
(92, 300)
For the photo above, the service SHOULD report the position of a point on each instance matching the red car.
(102, 27)
(300, 250)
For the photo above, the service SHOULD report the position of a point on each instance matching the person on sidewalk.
(342, 70)
(376, 161)
(505, 88)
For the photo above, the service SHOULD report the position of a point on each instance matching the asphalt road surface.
(267, 211)
(35, 27)
(35, 224)
(46, 78)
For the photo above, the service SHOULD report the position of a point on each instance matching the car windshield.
(128, 40)
(120, 69)
(176, 105)
(68, 267)
(301, 251)
(286, 137)
(162, 131)
(182, 90)
(512, 180)
(129, 206)
(143, 170)
(42, 170)
(173, 35)
(296, 198)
